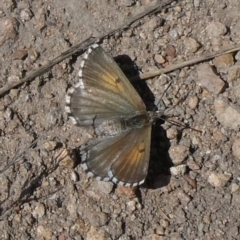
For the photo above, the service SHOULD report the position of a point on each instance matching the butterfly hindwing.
(122, 159)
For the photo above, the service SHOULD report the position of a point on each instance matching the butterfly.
(105, 99)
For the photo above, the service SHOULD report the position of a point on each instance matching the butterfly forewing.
(102, 92)
(123, 159)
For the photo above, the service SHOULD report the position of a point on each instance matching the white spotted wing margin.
(122, 159)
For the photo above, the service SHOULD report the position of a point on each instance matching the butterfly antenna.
(167, 117)
(179, 124)
(155, 108)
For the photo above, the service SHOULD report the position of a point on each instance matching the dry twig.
(80, 48)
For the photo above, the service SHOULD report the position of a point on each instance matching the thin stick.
(19, 157)
(173, 67)
(79, 48)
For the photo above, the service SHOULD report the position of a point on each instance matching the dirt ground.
(192, 190)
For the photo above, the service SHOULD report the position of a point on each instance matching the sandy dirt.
(192, 190)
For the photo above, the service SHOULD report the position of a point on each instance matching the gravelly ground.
(197, 198)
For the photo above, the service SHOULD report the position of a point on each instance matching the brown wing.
(122, 159)
(103, 91)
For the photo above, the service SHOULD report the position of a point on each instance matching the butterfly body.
(113, 127)
(105, 99)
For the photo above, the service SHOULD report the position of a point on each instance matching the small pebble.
(216, 30)
(49, 146)
(67, 162)
(179, 170)
(193, 102)
(131, 205)
(192, 164)
(191, 45)
(20, 54)
(219, 179)
(236, 148)
(64, 158)
(14, 93)
(224, 61)
(237, 56)
(39, 210)
(159, 58)
(126, 191)
(25, 15)
(97, 234)
(183, 197)
(33, 54)
(233, 73)
(44, 233)
(142, 35)
(164, 223)
(178, 154)
(196, 3)
(9, 27)
(74, 176)
(171, 51)
(209, 80)
(13, 79)
(172, 133)
(227, 114)
(104, 187)
(234, 187)
(97, 219)
(8, 114)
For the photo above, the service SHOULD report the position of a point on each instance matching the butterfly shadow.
(160, 161)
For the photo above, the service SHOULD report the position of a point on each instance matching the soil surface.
(192, 190)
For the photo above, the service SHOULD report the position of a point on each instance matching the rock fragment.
(218, 179)
(227, 114)
(209, 80)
